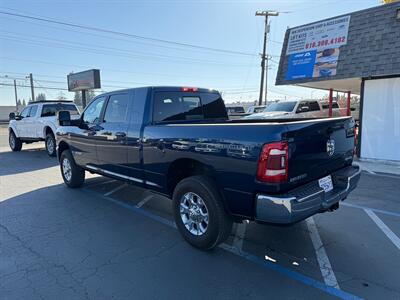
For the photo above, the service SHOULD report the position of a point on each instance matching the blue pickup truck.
(179, 142)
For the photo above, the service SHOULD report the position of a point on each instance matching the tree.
(90, 95)
(40, 97)
(23, 102)
(19, 102)
(78, 98)
(61, 96)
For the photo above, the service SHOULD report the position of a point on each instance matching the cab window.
(32, 112)
(25, 112)
(92, 113)
(117, 108)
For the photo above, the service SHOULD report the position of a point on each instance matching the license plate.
(326, 183)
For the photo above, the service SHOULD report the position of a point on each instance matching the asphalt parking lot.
(110, 240)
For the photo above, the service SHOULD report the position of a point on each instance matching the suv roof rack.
(46, 101)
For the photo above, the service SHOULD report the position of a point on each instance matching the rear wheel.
(14, 142)
(73, 175)
(50, 144)
(199, 213)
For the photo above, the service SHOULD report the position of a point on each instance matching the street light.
(264, 71)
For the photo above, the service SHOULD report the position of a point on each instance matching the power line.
(125, 34)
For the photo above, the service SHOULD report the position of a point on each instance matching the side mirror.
(11, 116)
(64, 118)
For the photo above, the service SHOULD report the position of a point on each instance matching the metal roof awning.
(352, 85)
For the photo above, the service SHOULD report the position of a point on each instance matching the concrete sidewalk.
(379, 166)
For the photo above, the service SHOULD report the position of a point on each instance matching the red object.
(273, 163)
(348, 104)
(330, 102)
(189, 89)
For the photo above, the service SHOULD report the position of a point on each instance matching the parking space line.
(322, 257)
(144, 201)
(386, 212)
(250, 257)
(115, 190)
(382, 226)
(239, 235)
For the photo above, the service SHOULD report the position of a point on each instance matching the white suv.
(38, 122)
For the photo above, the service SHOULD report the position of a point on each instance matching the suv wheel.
(199, 213)
(73, 175)
(14, 142)
(50, 144)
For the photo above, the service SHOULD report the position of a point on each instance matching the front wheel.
(199, 213)
(50, 144)
(14, 142)
(73, 175)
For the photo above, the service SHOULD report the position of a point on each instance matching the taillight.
(189, 89)
(273, 163)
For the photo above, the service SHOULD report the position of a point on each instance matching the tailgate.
(318, 147)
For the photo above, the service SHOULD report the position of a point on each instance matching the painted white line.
(322, 257)
(115, 190)
(382, 226)
(239, 236)
(144, 201)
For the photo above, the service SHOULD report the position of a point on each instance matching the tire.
(200, 234)
(14, 142)
(72, 174)
(50, 142)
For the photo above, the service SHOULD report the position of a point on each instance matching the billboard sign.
(313, 64)
(319, 36)
(86, 80)
(301, 65)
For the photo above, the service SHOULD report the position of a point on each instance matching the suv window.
(50, 110)
(303, 107)
(326, 105)
(92, 113)
(313, 105)
(25, 111)
(117, 108)
(32, 112)
(172, 106)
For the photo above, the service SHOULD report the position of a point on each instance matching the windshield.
(281, 106)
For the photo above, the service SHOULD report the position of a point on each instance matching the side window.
(25, 111)
(313, 105)
(48, 110)
(33, 111)
(92, 113)
(172, 106)
(303, 107)
(117, 108)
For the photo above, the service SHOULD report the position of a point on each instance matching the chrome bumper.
(306, 200)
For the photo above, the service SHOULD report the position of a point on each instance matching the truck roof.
(169, 89)
(50, 101)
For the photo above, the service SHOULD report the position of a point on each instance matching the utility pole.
(264, 54)
(32, 92)
(16, 96)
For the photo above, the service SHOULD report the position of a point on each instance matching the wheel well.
(47, 130)
(61, 147)
(183, 168)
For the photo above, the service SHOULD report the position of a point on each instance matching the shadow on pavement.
(66, 244)
(16, 162)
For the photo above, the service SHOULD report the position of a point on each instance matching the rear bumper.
(306, 200)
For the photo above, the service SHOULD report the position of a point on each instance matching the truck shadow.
(16, 162)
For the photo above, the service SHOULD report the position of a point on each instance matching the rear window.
(178, 106)
(50, 110)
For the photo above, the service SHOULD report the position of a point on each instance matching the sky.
(51, 51)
